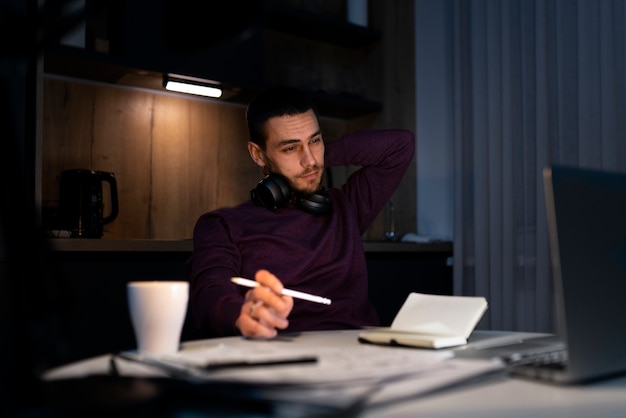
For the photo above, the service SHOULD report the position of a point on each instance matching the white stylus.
(287, 292)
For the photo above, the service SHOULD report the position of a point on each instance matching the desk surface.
(490, 395)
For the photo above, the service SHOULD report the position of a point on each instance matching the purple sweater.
(322, 255)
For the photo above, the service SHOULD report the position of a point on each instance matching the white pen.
(287, 292)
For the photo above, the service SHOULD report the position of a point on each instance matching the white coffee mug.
(157, 312)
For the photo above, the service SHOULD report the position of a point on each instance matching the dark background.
(49, 314)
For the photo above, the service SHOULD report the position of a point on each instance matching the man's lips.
(310, 176)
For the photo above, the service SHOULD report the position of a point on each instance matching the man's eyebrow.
(284, 142)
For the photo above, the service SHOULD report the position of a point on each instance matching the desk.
(515, 398)
(489, 395)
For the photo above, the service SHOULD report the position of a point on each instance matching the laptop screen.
(586, 212)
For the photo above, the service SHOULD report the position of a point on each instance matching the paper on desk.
(365, 374)
(343, 378)
(363, 363)
(372, 394)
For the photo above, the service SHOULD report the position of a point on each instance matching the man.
(293, 233)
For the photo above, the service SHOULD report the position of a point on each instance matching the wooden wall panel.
(122, 144)
(68, 116)
(173, 158)
(168, 168)
(201, 168)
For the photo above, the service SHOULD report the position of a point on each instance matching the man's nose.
(308, 159)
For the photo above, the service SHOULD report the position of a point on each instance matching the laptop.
(586, 213)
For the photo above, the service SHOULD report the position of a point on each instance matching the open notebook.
(430, 321)
(586, 211)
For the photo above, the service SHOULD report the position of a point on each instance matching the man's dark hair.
(273, 102)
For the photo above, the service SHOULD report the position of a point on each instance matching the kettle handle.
(110, 178)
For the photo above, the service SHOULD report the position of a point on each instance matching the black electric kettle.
(81, 207)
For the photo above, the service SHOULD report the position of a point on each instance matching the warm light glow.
(193, 89)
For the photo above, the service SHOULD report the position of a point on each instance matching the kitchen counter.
(93, 274)
(185, 246)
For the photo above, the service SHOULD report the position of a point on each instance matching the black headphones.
(274, 191)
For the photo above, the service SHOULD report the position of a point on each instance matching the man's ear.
(256, 153)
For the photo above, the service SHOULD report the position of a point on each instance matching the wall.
(174, 158)
(435, 152)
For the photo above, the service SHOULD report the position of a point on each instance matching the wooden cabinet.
(324, 55)
(275, 43)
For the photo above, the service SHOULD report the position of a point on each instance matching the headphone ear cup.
(316, 203)
(272, 192)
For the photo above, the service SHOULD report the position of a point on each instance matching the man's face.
(295, 149)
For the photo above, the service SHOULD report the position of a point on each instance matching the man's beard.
(299, 191)
(309, 190)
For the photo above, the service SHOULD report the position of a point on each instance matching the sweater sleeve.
(383, 155)
(215, 300)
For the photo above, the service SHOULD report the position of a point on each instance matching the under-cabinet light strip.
(182, 87)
